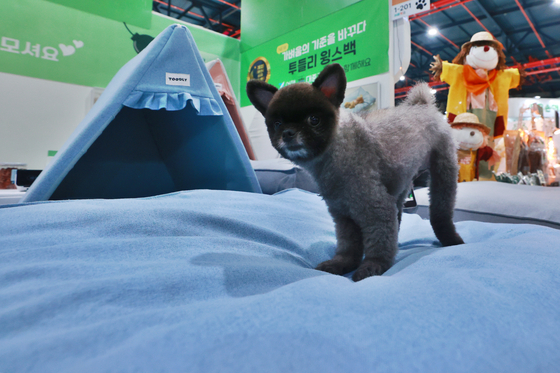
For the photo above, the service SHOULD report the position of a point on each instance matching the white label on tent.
(178, 79)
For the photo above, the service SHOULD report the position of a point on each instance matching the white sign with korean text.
(406, 8)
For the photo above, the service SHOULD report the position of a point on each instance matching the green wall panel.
(264, 20)
(44, 40)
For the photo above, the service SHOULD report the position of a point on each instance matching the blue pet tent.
(159, 127)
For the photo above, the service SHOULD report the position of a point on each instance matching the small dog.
(364, 167)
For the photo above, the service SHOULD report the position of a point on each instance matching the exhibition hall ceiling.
(528, 29)
(218, 15)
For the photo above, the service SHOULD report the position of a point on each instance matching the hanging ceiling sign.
(406, 8)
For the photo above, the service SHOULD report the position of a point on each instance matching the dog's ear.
(260, 94)
(332, 82)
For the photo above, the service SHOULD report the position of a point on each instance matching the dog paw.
(331, 266)
(338, 266)
(370, 268)
(451, 240)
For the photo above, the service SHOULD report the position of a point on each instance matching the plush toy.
(479, 82)
(471, 138)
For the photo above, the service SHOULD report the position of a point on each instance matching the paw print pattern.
(420, 4)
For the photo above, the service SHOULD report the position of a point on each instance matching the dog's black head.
(301, 118)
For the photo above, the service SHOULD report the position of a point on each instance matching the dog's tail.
(420, 94)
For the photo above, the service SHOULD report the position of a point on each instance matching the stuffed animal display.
(479, 82)
(471, 138)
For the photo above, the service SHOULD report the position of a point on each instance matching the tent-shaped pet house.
(159, 127)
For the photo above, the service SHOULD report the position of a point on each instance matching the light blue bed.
(223, 281)
(497, 202)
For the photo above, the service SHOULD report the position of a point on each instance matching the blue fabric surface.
(172, 102)
(221, 281)
(174, 53)
(145, 137)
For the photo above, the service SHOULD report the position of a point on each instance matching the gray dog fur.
(364, 166)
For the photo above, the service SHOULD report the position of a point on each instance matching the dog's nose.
(486, 48)
(288, 134)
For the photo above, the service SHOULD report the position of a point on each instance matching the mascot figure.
(471, 138)
(479, 83)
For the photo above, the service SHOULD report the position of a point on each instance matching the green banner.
(357, 37)
(134, 12)
(44, 40)
(288, 15)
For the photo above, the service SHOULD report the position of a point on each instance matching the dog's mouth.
(295, 151)
(293, 147)
(291, 144)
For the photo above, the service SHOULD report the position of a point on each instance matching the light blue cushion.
(498, 202)
(222, 281)
(172, 101)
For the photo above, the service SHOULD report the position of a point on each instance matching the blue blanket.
(223, 281)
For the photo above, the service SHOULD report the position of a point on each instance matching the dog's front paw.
(370, 267)
(338, 265)
(331, 266)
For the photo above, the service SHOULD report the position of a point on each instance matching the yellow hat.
(469, 120)
(486, 37)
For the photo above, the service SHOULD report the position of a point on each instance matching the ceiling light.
(537, 97)
(402, 77)
(433, 31)
(557, 2)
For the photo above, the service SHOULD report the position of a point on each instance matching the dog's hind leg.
(443, 190)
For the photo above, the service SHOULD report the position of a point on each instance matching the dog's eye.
(277, 125)
(313, 120)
